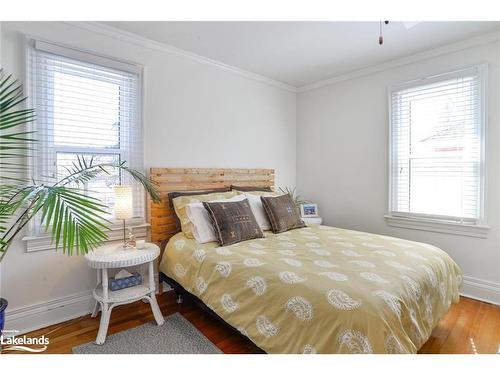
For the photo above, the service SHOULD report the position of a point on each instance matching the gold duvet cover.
(321, 289)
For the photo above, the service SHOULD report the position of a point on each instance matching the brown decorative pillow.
(233, 221)
(251, 188)
(282, 213)
(174, 194)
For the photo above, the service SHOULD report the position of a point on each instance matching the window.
(437, 148)
(86, 106)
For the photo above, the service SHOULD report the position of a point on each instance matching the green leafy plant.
(293, 193)
(76, 221)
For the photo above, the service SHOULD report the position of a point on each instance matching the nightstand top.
(110, 256)
(315, 220)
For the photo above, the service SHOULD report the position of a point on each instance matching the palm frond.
(14, 198)
(14, 145)
(293, 193)
(149, 185)
(84, 170)
(77, 220)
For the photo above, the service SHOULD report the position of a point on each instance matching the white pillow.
(258, 210)
(203, 230)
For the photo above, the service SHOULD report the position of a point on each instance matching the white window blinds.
(86, 106)
(437, 138)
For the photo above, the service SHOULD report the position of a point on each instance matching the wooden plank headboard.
(162, 218)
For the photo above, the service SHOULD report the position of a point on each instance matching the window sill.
(440, 226)
(44, 242)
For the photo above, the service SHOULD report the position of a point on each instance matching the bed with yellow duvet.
(320, 289)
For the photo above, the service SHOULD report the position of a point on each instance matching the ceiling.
(301, 53)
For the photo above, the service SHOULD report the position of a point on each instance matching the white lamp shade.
(123, 202)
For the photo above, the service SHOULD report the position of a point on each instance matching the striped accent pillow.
(282, 213)
(233, 221)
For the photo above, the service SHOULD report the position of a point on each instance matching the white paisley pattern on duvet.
(413, 286)
(309, 349)
(351, 253)
(199, 255)
(223, 251)
(292, 262)
(179, 244)
(320, 289)
(363, 263)
(301, 307)
(342, 300)
(321, 252)
(289, 277)
(228, 304)
(355, 341)
(201, 285)
(391, 300)
(252, 262)
(336, 276)
(257, 284)
(224, 268)
(288, 253)
(393, 346)
(180, 270)
(265, 326)
(324, 263)
(373, 277)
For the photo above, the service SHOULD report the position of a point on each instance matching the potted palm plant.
(297, 199)
(76, 222)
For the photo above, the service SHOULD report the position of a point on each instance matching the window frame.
(438, 223)
(36, 239)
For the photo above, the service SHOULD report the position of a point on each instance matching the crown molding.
(129, 37)
(435, 52)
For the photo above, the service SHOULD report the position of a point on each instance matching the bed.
(317, 289)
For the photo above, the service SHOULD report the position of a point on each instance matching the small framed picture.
(309, 210)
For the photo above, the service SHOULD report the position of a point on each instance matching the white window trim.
(435, 223)
(115, 233)
(439, 226)
(43, 242)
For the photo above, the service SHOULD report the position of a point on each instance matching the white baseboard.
(39, 315)
(43, 314)
(482, 290)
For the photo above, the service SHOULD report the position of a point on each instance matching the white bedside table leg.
(97, 306)
(156, 310)
(106, 310)
(152, 298)
(96, 310)
(105, 284)
(103, 325)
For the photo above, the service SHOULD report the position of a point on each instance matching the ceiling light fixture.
(381, 36)
(410, 25)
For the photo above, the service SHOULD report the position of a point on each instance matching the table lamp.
(123, 206)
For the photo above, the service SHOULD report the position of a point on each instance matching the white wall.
(196, 115)
(342, 160)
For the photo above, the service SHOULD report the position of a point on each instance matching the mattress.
(321, 289)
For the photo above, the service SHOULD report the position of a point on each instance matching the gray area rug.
(176, 336)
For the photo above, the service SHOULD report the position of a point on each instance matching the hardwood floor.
(469, 327)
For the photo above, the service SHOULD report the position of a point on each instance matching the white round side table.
(312, 220)
(109, 256)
